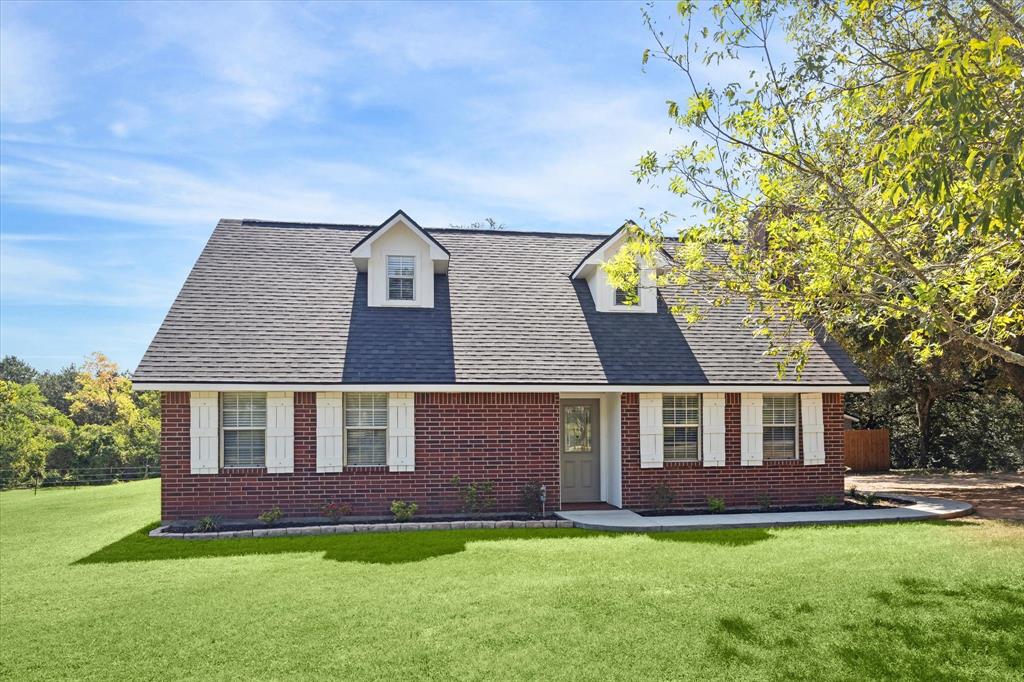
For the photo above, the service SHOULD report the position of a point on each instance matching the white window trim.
(699, 425)
(796, 431)
(345, 428)
(220, 416)
(387, 279)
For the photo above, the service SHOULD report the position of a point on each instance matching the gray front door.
(581, 451)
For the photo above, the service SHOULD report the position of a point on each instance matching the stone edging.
(921, 508)
(359, 528)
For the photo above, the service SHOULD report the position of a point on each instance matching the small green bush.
(853, 492)
(476, 497)
(870, 499)
(336, 510)
(404, 511)
(716, 505)
(271, 516)
(827, 500)
(764, 502)
(531, 497)
(662, 496)
(207, 524)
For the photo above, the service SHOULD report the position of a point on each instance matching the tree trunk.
(924, 408)
(1015, 373)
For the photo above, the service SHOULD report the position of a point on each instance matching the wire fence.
(51, 478)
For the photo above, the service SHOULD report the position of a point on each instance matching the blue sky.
(129, 129)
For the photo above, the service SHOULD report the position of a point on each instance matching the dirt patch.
(995, 496)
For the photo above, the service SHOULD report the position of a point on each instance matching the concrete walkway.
(921, 509)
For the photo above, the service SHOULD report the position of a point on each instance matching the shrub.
(532, 496)
(476, 497)
(271, 516)
(870, 499)
(853, 492)
(716, 505)
(404, 511)
(335, 510)
(764, 501)
(662, 496)
(827, 500)
(207, 524)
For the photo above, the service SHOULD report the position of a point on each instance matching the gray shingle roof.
(283, 303)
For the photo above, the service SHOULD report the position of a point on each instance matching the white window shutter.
(751, 429)
(204, 432)
(401, 432)
(280, 432)
(652, 435)
(813, 424)
(330, 428)
(713, 428)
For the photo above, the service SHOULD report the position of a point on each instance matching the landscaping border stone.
(343, 528)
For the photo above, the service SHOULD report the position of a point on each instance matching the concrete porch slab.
(920, 509)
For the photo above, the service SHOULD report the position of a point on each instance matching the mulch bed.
(258, 525)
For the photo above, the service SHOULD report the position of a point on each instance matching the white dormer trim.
(361, 252)
(400, 235)
(603, 292)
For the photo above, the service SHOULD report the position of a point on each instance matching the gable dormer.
(607, 299)
(400, 260)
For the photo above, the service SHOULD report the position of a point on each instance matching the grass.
(84, 594)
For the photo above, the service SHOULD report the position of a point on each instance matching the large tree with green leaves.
(30, 431)
(868, 174)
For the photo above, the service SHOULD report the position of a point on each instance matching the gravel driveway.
(995, 496)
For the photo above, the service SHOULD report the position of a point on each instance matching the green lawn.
(85, 595)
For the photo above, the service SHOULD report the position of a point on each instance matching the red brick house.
(303, 364)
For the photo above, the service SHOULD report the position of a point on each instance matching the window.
(779, 426)
(622, 297)
(680, 416)
(366, 429)
(244, 427)
(577, 430)
(401, 276)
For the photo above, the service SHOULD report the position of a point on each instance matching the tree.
(102, 393)
(485, 224)
(17, 370)
(29, 431)
(869, 175)
(55, 387)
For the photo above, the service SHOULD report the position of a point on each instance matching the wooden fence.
(867, 449)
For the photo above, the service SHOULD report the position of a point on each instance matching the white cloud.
(29, 83)
(150, 193)
(435, 37)
(29, 274)
(254, 60)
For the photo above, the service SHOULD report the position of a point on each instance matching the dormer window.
(401, 261)
(401, 278)
(641, 293)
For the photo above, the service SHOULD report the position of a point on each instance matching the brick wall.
(787, 483)
(509, 438)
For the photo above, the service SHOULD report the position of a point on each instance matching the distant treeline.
(81, 418)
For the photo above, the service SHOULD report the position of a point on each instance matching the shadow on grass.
(374, 548)
(919, 616)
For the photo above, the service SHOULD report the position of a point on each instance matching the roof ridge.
(456, 230)
(359, 226)
(292, 223)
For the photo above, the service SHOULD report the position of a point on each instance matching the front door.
(581, 451)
